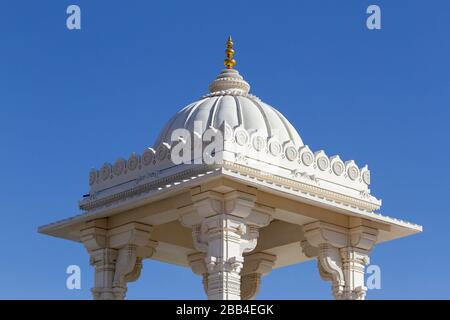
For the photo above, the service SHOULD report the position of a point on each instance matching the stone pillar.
(255, 265)
(116, 255)
(104, 262)
(224, 227)
(342, 254)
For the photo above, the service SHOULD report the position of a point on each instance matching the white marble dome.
(229, 100)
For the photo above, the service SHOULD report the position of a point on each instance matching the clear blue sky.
(71, 100)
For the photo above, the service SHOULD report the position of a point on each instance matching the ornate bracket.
(117, 255)
(330, 263)
(255, 265)
(198, 266)
(342, 254)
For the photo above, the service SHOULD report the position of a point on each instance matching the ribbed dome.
(229, 101)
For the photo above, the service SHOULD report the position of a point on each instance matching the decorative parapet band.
(250, 149)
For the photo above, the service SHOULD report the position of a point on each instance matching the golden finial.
(229, 61)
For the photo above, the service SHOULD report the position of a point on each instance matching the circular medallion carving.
(105, 171)
(161, 153)
(323, 163)
(119, 166)
(275, 148)
(133, 162)
(92, 177)
(366, 177)
(307, 158)
(291, 153)
(259, 143)
(147, 157)
(338, 168)
(228, 133)
(353, 172)
(241, 137)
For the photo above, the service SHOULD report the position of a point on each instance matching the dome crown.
(230, 102)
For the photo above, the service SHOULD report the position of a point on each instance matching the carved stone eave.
(65, 228)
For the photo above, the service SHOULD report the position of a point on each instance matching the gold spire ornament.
(229, 52)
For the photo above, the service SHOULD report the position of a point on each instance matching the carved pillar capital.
(236, 203)
(117, 255)
(342, 254)
(363, 237)
(94, 234)
(320, 232)
(224, 227)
